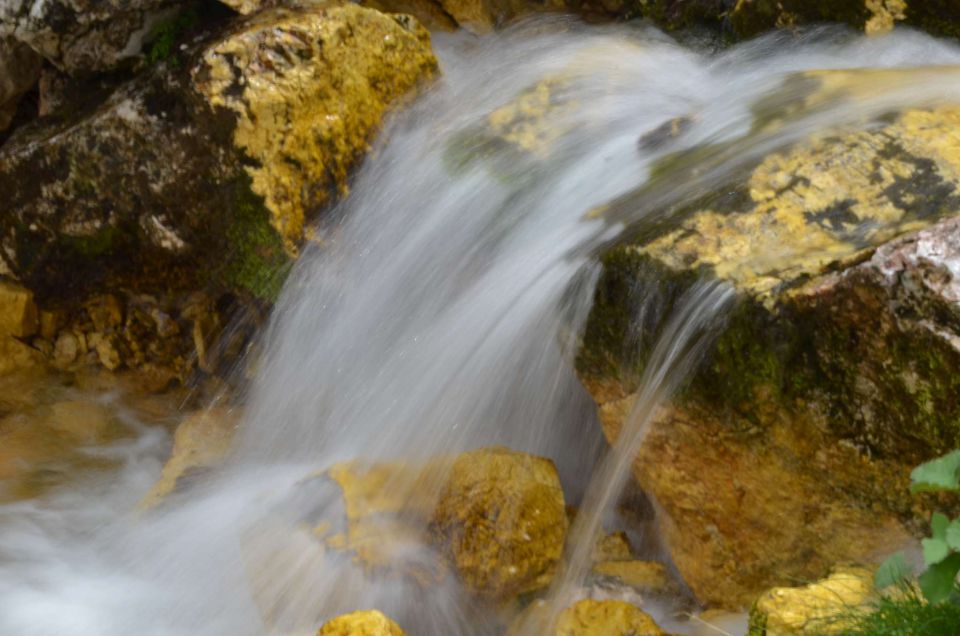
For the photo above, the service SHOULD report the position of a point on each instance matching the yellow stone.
(501, 517)
(200, 441)
(18, 313)
(641, 575)
(309, 89)
(361, 623)
(825, 607)
(17, 356)
(612, 547)
(605, 618)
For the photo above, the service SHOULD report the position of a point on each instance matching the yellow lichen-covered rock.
(614, 546)
(839, 359)
(18, 313)
(308, 89)
(829, 606)
(605, 618)
(199, 442)
(822, 201)
(16, 356)
(361, 623)
(501, 518)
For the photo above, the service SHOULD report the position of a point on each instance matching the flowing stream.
(439, 311)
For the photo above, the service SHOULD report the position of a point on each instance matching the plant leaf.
(938, 581)
(952, 535)
(892, 571)
(942, 473)
(934, 551)
(938, 526)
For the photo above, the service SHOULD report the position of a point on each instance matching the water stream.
(439, 311)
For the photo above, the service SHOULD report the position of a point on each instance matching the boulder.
(361, 623)
(18, 312)
(591, 617)
(839, 358)
(80, 36)
(502, 520)
(202, 172)
(829, 606)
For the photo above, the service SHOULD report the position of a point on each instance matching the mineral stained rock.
(839, 359)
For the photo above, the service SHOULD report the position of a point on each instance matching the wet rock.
(501, 517)
(361, 623)
(612, 547)
(838, 360)
(829, 606)
(647, 576)
(78, 36)
(607, 618)
(200, 441)
(19, 72)
(18, 312)
(16, 355)
(197, 174)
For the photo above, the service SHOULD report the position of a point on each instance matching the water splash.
(440, 313)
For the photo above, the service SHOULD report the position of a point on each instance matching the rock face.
(607, 618)
(361, 623)
(839, 359)
(502, 517)
(824, 607)
(750, 17)
(79, 35)
(19, 72)
(168, 180)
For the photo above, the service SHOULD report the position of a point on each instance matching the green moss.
(906, 615)
(167, 35)
(257, 260)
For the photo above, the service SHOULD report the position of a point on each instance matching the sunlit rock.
(829, 606)
(361, 623)
(501, 516)
(196, 174)
(839, 359)
(200, 441)
(588, 617)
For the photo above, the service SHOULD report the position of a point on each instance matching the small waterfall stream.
(439, 311)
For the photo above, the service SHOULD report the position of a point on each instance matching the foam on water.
(440, 313)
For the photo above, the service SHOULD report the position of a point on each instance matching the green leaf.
(934, 551)
(952, 535)
(938, 526)
(892, 571)
(938, 581)
(942, 473)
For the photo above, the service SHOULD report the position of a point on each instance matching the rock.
(825, 607)
(751, 17)
(838, 360)
(19, 72)
(200, 441)
(65, 350)
(79, 37)
(16, 355)
(645, 576)
(80, 421)
(605, 618)
(361, 623)
(612, 547)
(167, 182)
(501, 517)
(18, 313)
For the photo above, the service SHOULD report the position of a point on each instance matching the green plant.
(941, 550)
(905, 613)
(167, 34)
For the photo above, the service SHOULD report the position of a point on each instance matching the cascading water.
(439, 313)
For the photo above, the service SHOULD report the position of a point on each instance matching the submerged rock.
(202, 440)
(502, 517)
(168, 182)
(830, 606)
(838, 360)
(361, 623)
